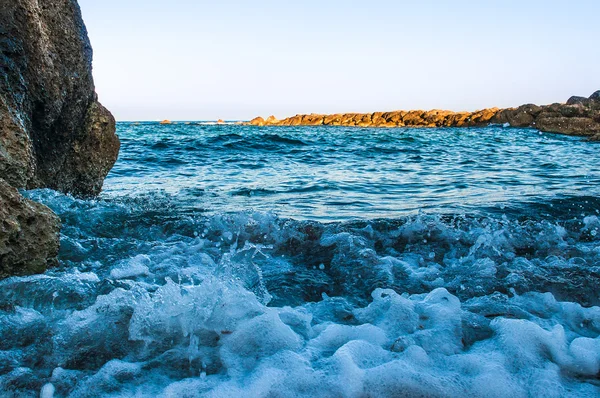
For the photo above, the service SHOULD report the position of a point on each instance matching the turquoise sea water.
(225, 260)
(339, 174)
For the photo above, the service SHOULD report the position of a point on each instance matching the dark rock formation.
(53, 131)
(49, 114)
(579, 116)
(577, 119)
(575, 100)
(28, 234)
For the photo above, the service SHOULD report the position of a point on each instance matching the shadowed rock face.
(579, 116)
(53, 131)
(28, 234)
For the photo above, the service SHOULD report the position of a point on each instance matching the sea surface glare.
(232, 261)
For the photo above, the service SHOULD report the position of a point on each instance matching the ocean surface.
(233, 261)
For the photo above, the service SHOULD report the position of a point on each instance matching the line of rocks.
(578, 116)
(53, 131)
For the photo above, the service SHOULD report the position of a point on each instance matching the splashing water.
(232, 261)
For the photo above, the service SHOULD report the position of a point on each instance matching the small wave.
(169, 284)
(282, 139)
(225, 137)
(252, 192)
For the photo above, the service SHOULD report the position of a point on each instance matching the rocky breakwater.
(53, 131)
(578, 116)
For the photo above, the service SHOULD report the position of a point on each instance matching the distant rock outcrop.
(579, 116)
(53, 131)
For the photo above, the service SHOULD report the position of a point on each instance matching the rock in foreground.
(53, 131)
(579, 116)
(28, 234)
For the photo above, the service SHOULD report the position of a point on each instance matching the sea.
(236, 261)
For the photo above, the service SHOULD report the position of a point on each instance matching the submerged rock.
(28, 234)
(53, 131)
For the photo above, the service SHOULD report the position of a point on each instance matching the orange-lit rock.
(579, 116)
(257, 121)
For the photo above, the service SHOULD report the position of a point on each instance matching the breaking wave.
(158, 297)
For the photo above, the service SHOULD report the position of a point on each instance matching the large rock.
(28, 234)
(568, 125)
(579, 116)
(523, 116)
(53, 132)
(576, 100)
(257, 121)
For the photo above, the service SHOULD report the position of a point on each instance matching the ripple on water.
(436, 263)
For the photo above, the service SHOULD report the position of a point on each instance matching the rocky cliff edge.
(53, 131)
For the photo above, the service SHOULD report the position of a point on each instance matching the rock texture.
(579, 116)
(28, 234)
(49, 114)
(53, 131)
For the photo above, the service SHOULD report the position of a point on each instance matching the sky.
(234, 60)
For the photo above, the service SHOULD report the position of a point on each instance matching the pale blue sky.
(204, 60)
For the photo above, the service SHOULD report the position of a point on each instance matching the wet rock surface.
(53, 131)
(49, 110)
(28, 234)
(578, 116)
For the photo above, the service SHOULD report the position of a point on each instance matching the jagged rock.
(332, 120)
(523, 116)
(377, 119)
(414, 118)
(484, 116)
(579, 116)
(53, 131)
(271, 120)
(29, 237)
(92, 156)
(295, 120)
(348, 119)
(435, 117)
(312, 120)
(575, 100)
(393, 117)
(48, 101)
(568, 125)
(363, 120)
(257, 121)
